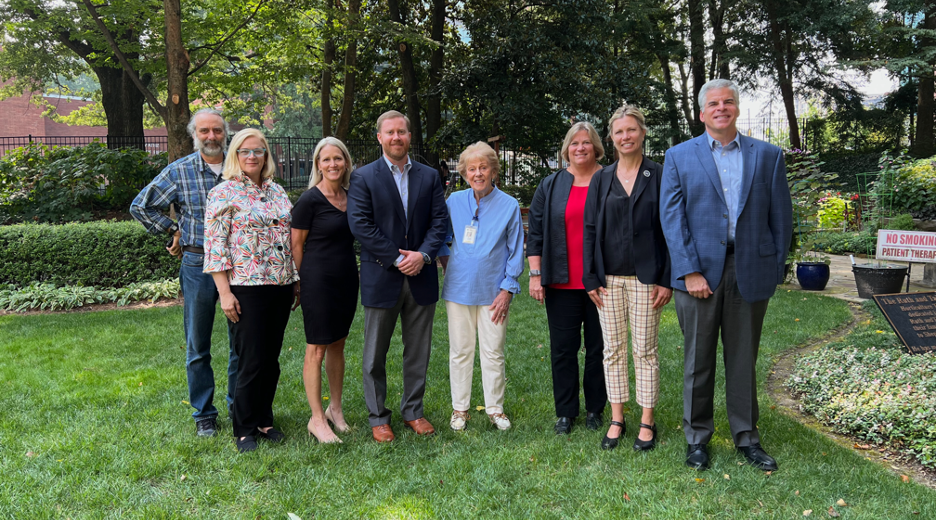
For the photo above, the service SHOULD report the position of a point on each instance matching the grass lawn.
(94, 424)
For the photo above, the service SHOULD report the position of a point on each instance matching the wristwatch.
(426, 258)
(535, 272)
(173, 228)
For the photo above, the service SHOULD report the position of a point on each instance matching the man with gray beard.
(186, 183)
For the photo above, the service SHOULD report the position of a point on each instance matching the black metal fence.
(293, 155)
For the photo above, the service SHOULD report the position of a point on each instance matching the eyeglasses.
(247, 152)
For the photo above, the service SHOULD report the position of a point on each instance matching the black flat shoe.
(608, 443)
(697, 457)
(248, 443)
(563, 426)
(272, 435)
(640, 445)
(593, 421)
(758, 457)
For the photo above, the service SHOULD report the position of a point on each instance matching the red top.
(575, 232)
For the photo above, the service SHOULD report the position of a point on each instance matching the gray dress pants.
(416, 322)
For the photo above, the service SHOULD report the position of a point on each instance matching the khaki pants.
(628, 300)
(464, 321)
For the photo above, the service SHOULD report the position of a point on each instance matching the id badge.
(470, 233)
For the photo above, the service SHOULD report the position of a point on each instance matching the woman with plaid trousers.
(627, 271)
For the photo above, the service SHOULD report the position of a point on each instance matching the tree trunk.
(410, 82)
(783, 65)
(350, 74)
(719, 67)
(697, 60)
(123, 107)
(328, 59)
(672, 111)
(177, 64)
(434, 95)
(684, 94)
(923, 145)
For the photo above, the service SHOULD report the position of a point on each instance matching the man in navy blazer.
(396, 210)
(728, 219)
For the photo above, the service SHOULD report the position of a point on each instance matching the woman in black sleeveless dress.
(323, 248)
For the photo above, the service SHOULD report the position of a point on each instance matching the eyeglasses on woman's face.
(247, 152)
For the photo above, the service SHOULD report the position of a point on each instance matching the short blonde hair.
(479, 150)
(393, 114)
(624, 111)
(316, 175)
(232, 169)
(592, 136)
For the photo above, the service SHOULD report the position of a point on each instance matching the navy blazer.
(651, 258)
(377, 220)
(695, 216)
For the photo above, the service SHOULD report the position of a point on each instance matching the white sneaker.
(500, 420)
(459, 420)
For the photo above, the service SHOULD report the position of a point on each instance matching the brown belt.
(193, 249)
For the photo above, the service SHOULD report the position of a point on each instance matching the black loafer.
(272, 435)
(697, 456)
(593, 421)
(248, 443)
(640, 445)
(758, 457)
(563, 426)
(608, 443)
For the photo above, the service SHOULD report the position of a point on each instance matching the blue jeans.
(201, 296)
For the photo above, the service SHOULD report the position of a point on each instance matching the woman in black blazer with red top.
(627, 271)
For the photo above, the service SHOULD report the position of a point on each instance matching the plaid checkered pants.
(628, 300)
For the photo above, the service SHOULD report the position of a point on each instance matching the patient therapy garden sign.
(907, 246)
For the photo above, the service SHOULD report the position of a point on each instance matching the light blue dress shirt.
(477, 272)
(401, 178)
(730, 164)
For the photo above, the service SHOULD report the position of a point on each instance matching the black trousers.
(258, 340)
(567, 311)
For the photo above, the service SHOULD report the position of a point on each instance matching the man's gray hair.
(191, 123)
(719, 83)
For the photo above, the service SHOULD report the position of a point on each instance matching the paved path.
(842, 281)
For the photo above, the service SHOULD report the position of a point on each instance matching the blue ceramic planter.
(812, 276)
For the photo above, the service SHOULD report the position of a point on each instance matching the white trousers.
(465, 323)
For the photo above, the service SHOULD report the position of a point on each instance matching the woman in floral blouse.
(248, 253)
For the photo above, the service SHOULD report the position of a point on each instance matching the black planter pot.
(812, 276)
(874, 279)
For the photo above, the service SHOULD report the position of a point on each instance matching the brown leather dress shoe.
(421, 426)
(383, 433)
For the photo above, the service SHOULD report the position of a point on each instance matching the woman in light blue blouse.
(486, 258)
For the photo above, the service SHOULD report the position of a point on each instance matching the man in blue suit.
(728, 219)
(397, 212)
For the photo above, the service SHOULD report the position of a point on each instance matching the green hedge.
(106, 254)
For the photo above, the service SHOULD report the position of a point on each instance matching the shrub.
(842, 243)
(902, 222)
(64, 184)
(49, 297)
(915, 186)
(868, 386)
(849, 167)
(832, 212)
(105, 254)
(523, 194)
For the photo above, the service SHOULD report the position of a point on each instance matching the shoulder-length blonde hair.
(479, 150)
(232, 169)
(592, 136)
(316, 175)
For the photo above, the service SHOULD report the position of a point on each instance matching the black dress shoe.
(248, 443)
(608, 443)
(563, 426)
(758, 457)
(640, 445)
(593, 421)
(272, 435)
(697, 456)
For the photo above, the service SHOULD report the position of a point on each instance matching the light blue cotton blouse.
(477, 272)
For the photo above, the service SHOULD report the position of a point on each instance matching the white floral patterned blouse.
(247, 233)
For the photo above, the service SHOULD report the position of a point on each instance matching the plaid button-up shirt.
(186, 183)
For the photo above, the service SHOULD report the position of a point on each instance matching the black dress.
(328, 275)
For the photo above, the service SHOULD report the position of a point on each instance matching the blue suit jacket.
(377, 220)
(695, 216)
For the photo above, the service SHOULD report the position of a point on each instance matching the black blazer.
(651, 257)
(547, 237)
(377, 220)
